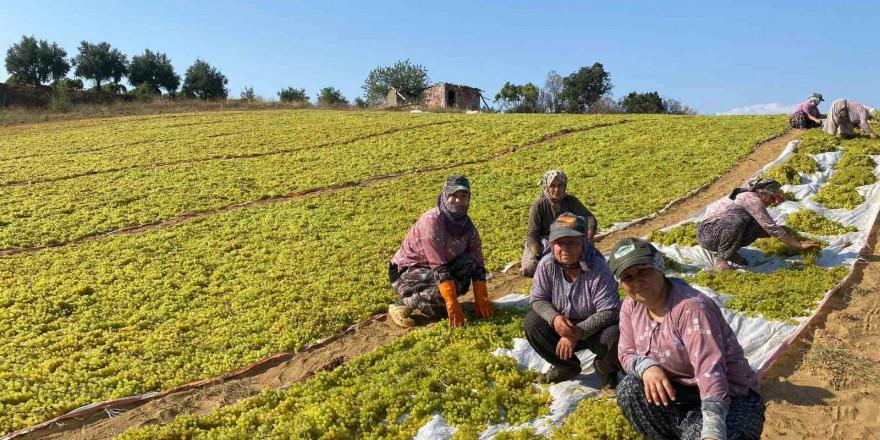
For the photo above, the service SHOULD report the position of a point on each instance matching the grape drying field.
(91, 314)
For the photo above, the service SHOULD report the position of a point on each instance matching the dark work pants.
(543, 338)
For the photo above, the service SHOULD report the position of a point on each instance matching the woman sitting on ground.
(574, 305)
(738, 220)
(437, 261)
(544, 210)
(687, 375)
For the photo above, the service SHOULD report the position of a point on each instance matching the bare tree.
(549, 97)
(675, 107)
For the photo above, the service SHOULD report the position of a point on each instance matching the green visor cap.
(630, 252)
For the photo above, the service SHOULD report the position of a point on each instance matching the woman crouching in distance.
(440, 256)
(687, 375)
(574, 305)
(741, 218)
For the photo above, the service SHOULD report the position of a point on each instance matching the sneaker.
(400, 315)
(556, 375)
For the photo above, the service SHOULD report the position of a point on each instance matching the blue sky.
(713, 56)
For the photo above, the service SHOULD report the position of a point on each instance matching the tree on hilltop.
(100, 62)
(204, 81)
(155, 70)
(36, 62)
(403, 75)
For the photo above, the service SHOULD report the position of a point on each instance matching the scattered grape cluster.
(781, 295)
(788, 173)
(817, 142)
(389, 393)
(812, 222)
(683, 235)
(773, 246)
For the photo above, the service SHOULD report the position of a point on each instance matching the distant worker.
(845, 115)
(574, 305)
(439, 258)
(807, 114)
(553, 201)
(687, 375)
(738, 220)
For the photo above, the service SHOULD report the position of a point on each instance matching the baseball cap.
(630, 252)
(568, 225)
(457, 182)
(817, 96)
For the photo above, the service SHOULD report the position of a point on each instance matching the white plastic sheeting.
(760, 338)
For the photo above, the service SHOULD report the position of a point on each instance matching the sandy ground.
(300, 366)
(827, 386)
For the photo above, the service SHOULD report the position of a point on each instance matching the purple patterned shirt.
(746, 205)
(593, 291)
(694, 344)
(858, 115)
(429, 244)
(809, 108)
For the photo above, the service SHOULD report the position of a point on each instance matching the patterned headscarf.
(759, 184)
(548, 178)
(455, 217)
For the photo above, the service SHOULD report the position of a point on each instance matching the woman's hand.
(807, 244)
(565, 348)
(658, 388)
(565, 328)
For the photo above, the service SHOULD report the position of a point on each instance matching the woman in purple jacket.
(687, 375)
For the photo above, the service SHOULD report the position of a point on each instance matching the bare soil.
(827, 385)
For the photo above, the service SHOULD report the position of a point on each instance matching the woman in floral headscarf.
(439, 258)
(741, 218)
(553, 201)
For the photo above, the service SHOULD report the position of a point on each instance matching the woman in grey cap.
(574, 306)
(687, 375)
(437, 261)
(741, 218)
(553, 201)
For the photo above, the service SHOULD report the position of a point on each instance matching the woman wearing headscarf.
(807, 114)
(687, 375)
(553, 201)
(741, 218)
(845, 115)
(574, 305)
(437, 261)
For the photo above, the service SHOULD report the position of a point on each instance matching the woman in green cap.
(687, 375)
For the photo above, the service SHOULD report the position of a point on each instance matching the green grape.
(855, 160)
(817, 141)
(839, 196)
(853, 177)
(812, 222)
(683, 235)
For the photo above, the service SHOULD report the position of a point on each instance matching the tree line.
(587, 90)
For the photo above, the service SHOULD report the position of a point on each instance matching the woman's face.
(644, 283)
(459, 198)
(556, 189)
(567, 250)
(768, 199)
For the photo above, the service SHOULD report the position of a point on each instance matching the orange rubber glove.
(481, 300)
(453, 308)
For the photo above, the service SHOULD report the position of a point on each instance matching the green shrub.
(59, 98)
(853, 177)
(837, 196)
(781, 295)
(812, 222)
(684, 235)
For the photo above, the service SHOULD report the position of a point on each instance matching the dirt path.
(827, 385)
(300, 366)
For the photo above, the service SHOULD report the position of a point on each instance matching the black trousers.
(603, 344)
